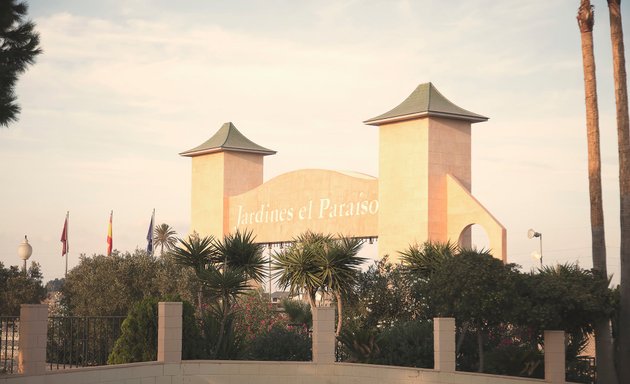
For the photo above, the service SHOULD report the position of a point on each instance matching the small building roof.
(425, 101)
(228, 138)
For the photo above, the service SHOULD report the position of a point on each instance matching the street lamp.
(25, 251)
(531, 234)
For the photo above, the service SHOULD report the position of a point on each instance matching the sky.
(124, 86)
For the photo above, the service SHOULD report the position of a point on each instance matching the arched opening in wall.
(474, 236)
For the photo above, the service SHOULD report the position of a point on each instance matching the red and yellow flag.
(109, 235)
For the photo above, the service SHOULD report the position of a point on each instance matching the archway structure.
(423, 191)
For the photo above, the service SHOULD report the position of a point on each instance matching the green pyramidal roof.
(425, 101)
(228, 138)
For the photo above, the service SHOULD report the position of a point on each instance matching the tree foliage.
(165, 237)
(17, 287)
(19, 45)
(109, 285)
(502, 310)
(138, 339)
(316, 262)
(224, 268)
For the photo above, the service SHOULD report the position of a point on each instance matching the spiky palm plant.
(239, 251)
(422, 260)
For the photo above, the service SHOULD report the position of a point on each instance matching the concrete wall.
(171, 370)
(256, 372)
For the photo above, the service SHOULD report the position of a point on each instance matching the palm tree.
(223, 267)
(197, 253)
(603, 341)
(422, 260)
(223, 286)
(296, 266)
(623, 138)
(317, 262)
(339, 270)
(165, 237)
(239, 251)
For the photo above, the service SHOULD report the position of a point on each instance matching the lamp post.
(531, 234)
(25, 251)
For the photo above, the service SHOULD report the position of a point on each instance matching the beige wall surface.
(323, 201)
(215, 176)
(403, 187)
(250, 372)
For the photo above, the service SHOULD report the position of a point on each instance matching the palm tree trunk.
(224, 315)
(623, 137)
(480, 346)
(603, 342)
(339, 313)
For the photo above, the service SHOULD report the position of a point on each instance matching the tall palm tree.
(165, 237)
(603, 340)
(623, 138)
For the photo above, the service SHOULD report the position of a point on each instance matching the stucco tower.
(225, 165)
(425, 175)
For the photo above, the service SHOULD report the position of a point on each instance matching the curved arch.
(474, 236)
(464, 211)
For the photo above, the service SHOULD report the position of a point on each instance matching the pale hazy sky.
(124, 86)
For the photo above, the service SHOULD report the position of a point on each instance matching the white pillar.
(169, 332)
(444, 344)
(33, 337)
(555, 369)
(324, 339)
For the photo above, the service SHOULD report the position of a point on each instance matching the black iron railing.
(9, 338)
(81, 341)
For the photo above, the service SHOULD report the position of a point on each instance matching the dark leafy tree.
(469, 285)
(18, 287)
(19, 45)
(109, 285)
(381, 298)
(138, 339)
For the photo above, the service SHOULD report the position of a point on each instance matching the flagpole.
(67, 242)
(153, 233)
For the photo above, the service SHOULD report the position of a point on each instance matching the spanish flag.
(109, 235)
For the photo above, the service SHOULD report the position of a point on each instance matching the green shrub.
(138, 339)
(298, 311)
(231, 347)
(407, 345)
(280, 344)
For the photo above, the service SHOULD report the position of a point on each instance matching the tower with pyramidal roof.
(227, 164)
(425, 175)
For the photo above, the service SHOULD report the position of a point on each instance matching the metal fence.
(9, 338)
(81, 341)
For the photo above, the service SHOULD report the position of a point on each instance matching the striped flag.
(110, 241)
(65, 247)
(150, 235)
